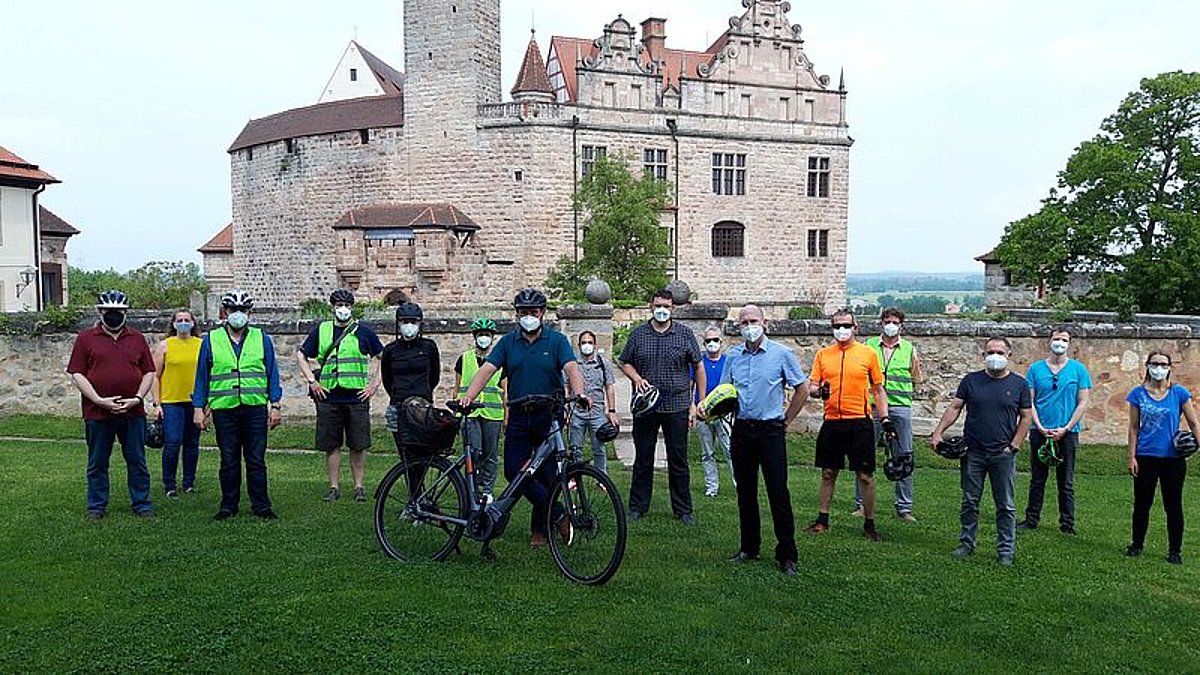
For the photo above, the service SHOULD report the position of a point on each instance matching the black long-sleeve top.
(411, 368)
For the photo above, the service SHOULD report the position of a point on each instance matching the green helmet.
(483, 323)
(1048, 453)
(721, 401)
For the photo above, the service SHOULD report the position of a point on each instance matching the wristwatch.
(612, 410)
(1014, 449)
(276, 406)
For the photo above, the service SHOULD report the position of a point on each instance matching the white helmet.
(237, 299)
(112, 299)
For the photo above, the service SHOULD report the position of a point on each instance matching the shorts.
(347, 424)
(842, 439)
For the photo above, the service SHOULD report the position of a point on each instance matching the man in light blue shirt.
(1060, 387)
(760, 370)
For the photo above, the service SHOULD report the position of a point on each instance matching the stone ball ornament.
(598, 292)
(681, 293)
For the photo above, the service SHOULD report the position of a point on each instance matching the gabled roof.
(677, 63)
(222, 243)
(16, 171)
(415, 216)
(989, 257)
(49, 223)
(390, 79)
(368, 112)
(533, 78)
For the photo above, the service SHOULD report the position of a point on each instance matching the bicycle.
(425, 505)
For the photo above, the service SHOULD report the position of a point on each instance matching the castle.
(430, 185)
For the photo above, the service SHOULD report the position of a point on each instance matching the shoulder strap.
(322, 358)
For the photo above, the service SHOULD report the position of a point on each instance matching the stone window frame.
(588, 154)
(818, 243)
(818, 177)
(655, 162)
(729, 173)
(728, 239)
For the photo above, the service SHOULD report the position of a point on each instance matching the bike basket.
(424, 428)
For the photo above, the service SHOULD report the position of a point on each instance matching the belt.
(760, 423)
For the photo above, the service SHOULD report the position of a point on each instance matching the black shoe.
(1133, 551)
(360, 494)
(332, 494)
(223, 515)
(788, 567)
(687, 519)
(95, 515)
(635, 515)
(742, 556)
(1175, 558)
(1026, 525)
(189, 490)
(1067, 529)
(148, 513)
(267, 515)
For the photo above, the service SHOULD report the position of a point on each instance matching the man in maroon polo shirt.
(112, 367)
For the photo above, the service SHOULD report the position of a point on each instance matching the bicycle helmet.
(483, 324)
(899, 467)
(154, 434)
(721, 401)
(1185, 444)
(1048, 453)
(112, 299)
(409, 310)
(342, 296)
(607, 432)
(530, 298)
(237, 299)
(954, 447)
(644, 401)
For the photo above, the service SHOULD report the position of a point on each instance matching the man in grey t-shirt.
(598, 386)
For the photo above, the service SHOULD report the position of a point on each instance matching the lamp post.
(27, 276)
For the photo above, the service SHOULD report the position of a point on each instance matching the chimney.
(654, 37)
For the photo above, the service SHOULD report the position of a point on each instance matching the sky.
(962, 111)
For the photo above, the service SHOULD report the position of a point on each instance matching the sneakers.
(189, 490)
(1026, 525)
(1067, 530)
(742, 556)
(267, 515)
(906, 516)
(788, 568)
(859, 513)
(172, 494)
(332, 495)
(565, 529)
(360, 495)
(872, 535)
(1175, 558)
(537, 540)
(223, 515)
(687, 519)
(1133, 551)
(817, 527)
(710, 493)
(95, 515)
(962, 552)
(1006, 561)
(635, 515)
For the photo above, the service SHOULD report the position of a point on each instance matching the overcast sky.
(962, 110)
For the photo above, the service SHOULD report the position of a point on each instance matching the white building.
(20, 254)
(360, 73)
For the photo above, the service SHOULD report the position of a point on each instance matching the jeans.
(522, 437)
(484, 436)
(242, 435)
(131, 432)
(1064, 472)
(1170, 472)
(645, 436)
(902, 417)
(1001, 470)
(754, 445)
(714, 434)
(580, 426)
(178, 431)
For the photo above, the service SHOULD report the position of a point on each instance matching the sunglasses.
(843, 325)
(995, 352)
(712, 342)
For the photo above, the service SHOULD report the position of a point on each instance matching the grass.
(312, 592)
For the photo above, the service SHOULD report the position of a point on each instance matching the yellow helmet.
(721, 401)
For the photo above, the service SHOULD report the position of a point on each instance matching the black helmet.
(607, 432)
(112, 299)
(1185, 444)
(409, 310)
(341, 295)
(898, 466)
(952, 448)
(154, 434)
(530, 298)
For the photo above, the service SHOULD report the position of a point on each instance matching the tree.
(155, 285)
(1126, 210)
(623, 241)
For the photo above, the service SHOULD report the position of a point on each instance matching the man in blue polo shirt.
(533, 359)
(760, 370)
(713, 433)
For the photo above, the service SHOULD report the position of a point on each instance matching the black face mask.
(113, 319)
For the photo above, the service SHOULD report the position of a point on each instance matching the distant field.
(953, 296)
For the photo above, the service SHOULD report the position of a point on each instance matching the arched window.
(728, 240)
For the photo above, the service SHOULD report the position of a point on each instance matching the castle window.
(785, 108)
(519, 175)
(818, 176)
(787, 58)
(610, 95)
(818, 243)
(250, 154)
(364, 136)
(290, 145)
(728, 240)
(590, 154)
(719, 105)
(654, 163)
(354, 74)
(635, 95)
(747, 105)
(810, 111)
(729, 173)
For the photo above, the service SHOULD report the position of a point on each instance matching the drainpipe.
(37, 251)
(673, 126)
(575, 183)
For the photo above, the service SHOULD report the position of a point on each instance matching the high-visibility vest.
(344, 367)
(237, 379)
(897, 371)
(491, 397)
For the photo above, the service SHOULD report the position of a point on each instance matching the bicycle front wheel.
(586, 525)
(411, 507)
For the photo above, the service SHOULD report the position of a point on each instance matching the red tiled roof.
(677, 63)
(222, 243)
(388, 77)
(49, 223)
(368, 112)
(416, 216)
(14, 170)
(533, 77)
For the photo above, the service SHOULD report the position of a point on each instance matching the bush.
(620, 337)
(315, 308)
(805, 312)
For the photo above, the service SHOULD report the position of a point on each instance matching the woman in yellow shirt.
(175, 358)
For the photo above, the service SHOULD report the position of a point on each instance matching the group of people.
(230, 378)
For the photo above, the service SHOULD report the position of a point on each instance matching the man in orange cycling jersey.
(846, 374)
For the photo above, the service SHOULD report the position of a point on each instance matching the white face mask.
(752, 332)
(1159, 373)
(342, 314)
(409, 331)
(891, 329)
(996, 362)
(843, 334)
(662, 314)
(587, 349)
(1059, 347)
(238, 320)
(530, 324)
(483, 341)
(712, 347)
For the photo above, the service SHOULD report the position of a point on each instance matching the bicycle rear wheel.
(587, 525)
(409, 503)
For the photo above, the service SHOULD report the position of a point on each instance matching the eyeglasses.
(995, 352)
(843, 325)
(1160, 364)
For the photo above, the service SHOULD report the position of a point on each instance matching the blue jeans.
(902, 418)
(242, 435)
(131, 432)
(178, 431)
(1001, 469)
(588, 425)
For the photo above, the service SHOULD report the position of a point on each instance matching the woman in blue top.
(1154, 411)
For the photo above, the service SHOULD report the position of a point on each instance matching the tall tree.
(1126, 210)
(155, 285)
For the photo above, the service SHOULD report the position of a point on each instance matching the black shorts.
(841, 439)
(347, 424)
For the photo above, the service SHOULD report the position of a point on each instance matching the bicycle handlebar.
(538, 400)
(454, 406)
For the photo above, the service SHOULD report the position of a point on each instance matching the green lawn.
(312, 592)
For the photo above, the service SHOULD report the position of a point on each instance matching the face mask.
(409, 331)
(662, 314)
(996, 362)
(238, 320)
(891, 329)
(752, 332)
(712, 347)
(1059, 347)
(1159, 373)
(113, 319)
(184, 327)
(530, 324)
(843, 334)
(587, 349)
(342, 314)
(483, 341)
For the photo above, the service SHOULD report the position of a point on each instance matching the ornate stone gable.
(618, 51)
(764, 22)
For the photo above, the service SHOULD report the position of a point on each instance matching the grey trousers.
(1001, 470)
(580, 425)
(1064, 473)
(902, 417)
(484, 436)
(714, 434)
